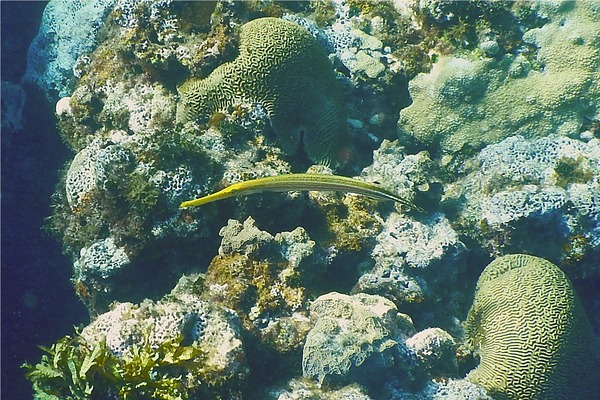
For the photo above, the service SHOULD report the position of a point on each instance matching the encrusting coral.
(304, 104)
(472, 101)
(355, 338)
(532, 335)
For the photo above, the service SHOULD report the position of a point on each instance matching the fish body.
(301, 182)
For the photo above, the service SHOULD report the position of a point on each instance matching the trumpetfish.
(302, 182)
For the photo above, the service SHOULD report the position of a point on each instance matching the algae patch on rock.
(282, 68)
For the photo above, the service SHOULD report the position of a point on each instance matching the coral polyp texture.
(283, 68)
(532, 336)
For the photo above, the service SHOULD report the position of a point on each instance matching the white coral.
(102, 258)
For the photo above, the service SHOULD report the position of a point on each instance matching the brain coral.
(534, 339)
(283, 68)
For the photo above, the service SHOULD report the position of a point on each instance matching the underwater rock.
(90, 170)
(245, 239)
(446, 389)
(435, 351)
(260, 277)
(357, 338)
(414, 260)
(183, 316)
(407, 175)
(304, 104)
(522, 191)
(100, 260)
(362, 59)
(531, 333)
(364, 50)
(470, 102)
(302, 389)
(68, 30)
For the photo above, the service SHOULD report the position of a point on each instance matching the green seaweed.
(75, 369)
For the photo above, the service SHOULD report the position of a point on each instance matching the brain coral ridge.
(533, 337)
(281, 67)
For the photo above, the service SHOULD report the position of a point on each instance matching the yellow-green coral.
(534, 339)
(283, 68)
(469, 101)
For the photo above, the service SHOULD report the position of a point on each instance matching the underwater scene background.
(480, 118)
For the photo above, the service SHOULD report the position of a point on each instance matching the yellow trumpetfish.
(301, 182)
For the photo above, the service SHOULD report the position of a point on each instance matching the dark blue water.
(38, 302)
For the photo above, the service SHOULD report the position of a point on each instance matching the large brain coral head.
(284, 69)
(532, 335)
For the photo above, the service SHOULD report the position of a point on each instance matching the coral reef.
(260, 276)
(68, 30)
(178, 347)
(468, 101)
(308, 295)
(297, 389)
(257, 273)
(101, 259)
(520, 189)
(303, 104)
(450, 389)
(357, 338)
(435, 351)
(215, 330)
(531, 334)
(411, 176)
(409, 256)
